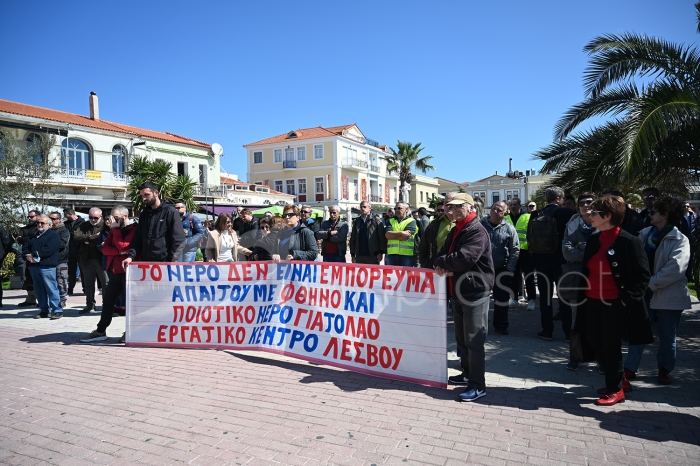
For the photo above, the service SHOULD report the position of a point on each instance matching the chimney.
(94, 107)
(510, 164)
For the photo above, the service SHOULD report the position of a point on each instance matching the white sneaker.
(513, 303)
(531, 305)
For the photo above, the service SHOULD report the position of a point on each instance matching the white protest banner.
(380, 320)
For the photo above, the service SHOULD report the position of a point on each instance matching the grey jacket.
(574, 242)
(341, 239)
(668, 280)
(505, 245)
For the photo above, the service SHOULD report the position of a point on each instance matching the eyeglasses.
(585, 202)
(364, 207)
(118, 218)
(308, 212)
(228, 223)
(596, 212)
(440, 211)
(455, 207)
(289, 215)
(42, 223)
(31, 216)
(650, 196)
(95, 218)
(54, 219)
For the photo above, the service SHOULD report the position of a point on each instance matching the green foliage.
(461, 189)
(7, 270)
(404, 160)
(172, 187)
(199, 257)
(25, 178)
(435, 201)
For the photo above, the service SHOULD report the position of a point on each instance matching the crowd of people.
(615, 270)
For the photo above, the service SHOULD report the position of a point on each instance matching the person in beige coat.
(222, 242)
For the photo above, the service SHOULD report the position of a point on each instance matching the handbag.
(569, 282)
(580, 351)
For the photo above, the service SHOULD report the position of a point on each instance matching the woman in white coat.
(668, 251)
(222, 242)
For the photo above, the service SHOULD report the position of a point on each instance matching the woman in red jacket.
(115, 247)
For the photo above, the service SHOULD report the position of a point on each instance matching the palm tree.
(159, 172)
(404, 160)
(654, 135)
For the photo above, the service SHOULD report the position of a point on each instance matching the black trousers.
(72, 272)
(524, 267)
(501, 297)
(115, 287)
(604, 329)
(548, 273)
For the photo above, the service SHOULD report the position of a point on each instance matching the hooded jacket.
(505, 244)
(159, 236)
(668, 280)
(117, 243)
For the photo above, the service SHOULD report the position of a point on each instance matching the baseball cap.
(461, 198)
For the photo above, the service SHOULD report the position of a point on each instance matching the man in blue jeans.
(41, 256)
(400, 235)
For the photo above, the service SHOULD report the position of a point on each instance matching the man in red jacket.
(115, 247)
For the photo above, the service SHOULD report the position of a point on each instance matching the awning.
(220, 209)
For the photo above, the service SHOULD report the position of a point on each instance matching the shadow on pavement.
(67, 338)
(347, 380)
(653, 425)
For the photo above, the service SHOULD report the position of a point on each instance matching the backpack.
(542, 233)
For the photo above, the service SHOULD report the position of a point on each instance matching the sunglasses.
(650, 196)
(455, 207)
(596, 212)
(42, 223)
(585, 202)
(364, 207)
(305, 211)
(440, 210)
(54, 219)
(118, 218)
(95, 218)
(31, 216)
(289, 215)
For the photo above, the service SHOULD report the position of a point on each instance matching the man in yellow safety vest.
(519, 220)
(400, 235)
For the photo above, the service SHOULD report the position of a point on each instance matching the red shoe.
(631, 375)
(611, 398)
(626, 387)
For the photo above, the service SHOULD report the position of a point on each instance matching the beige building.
(445, 186)
(94, 154)
(323, 166)
(503, 188)
(423, 189)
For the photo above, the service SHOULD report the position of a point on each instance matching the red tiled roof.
(306, 133)
(17, 108)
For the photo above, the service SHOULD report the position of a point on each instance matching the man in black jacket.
(28, 231)
(89, 236)
(246, 226)
(333, 234)
(467, 255)
(5, 247)
(72, 223)
(368, 237)
(548, 266)
(62, 267)
(159, 236)
(41, 255)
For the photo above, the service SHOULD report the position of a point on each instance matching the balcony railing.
(290, 164)
(374, 198)
(374, 168)
(83, 176)
(352, 162)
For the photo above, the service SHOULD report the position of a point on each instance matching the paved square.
(63, 402)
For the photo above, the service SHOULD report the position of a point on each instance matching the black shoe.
(56, 316)
(546, 336)
(70, 293)
(26, 304)
(87, 309)
(502, 332)
(41, 316)
(460, 379)
(557, 316)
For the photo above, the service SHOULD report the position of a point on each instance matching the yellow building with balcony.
(324, 166)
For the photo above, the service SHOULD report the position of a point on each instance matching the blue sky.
(474, 82)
